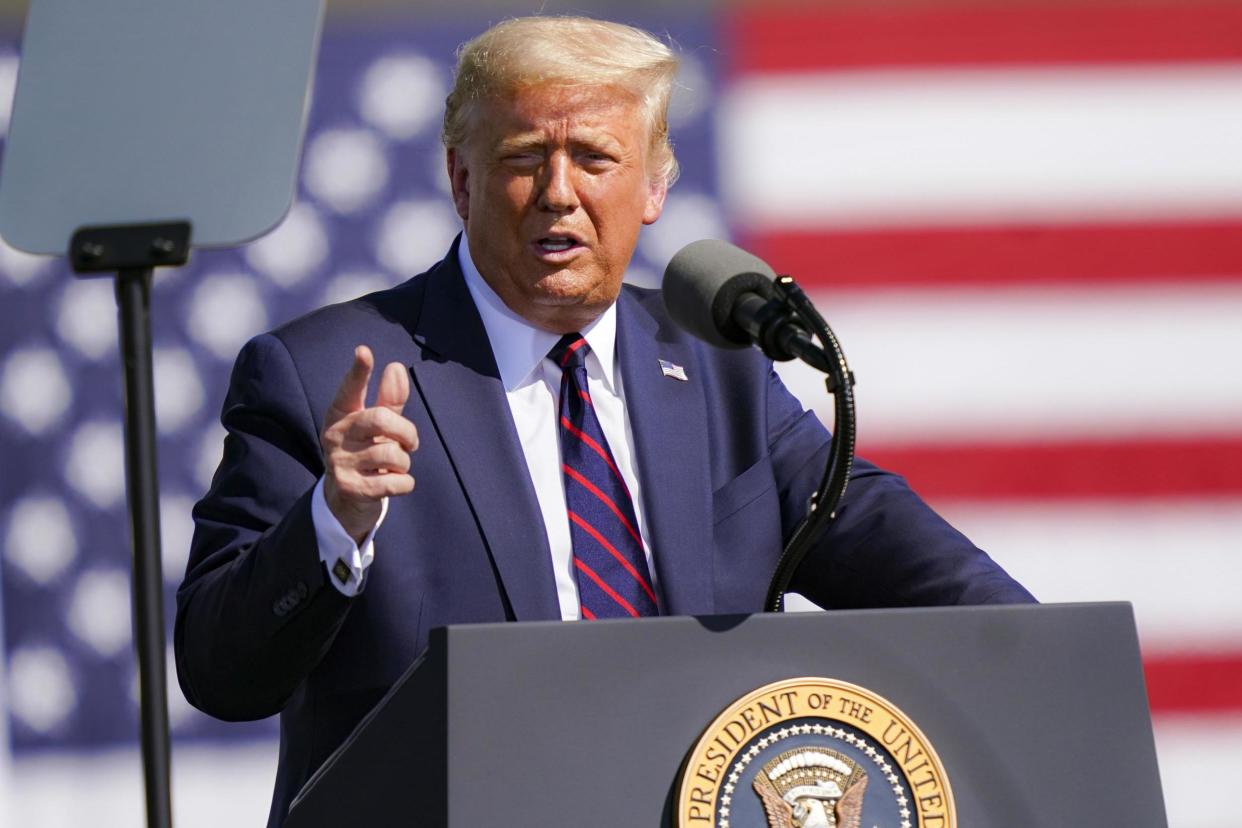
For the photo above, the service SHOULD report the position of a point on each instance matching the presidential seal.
(813, 753)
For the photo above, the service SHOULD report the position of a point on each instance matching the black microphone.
(727, 297)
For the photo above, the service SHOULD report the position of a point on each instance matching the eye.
(524, 159)
(595, 159)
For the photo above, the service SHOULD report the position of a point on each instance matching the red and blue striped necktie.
(608, 559)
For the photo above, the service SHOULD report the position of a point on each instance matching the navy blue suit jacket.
(727, 460)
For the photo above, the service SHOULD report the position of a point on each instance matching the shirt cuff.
(346, 561)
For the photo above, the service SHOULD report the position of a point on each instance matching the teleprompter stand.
(126, 132)
(1038, 714)
(133, 252)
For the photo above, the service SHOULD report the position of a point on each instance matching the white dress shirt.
(532, 385)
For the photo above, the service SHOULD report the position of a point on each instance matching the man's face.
(553, 186)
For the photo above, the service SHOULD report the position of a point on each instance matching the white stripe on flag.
(998, 365)
(1199, 767)
(981, 146)
(1167, 557)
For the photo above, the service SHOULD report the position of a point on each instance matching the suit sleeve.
(886, 547)
(255, 612)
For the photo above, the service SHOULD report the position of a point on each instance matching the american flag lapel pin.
(673, 371)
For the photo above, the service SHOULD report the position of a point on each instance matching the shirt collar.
(518, 346)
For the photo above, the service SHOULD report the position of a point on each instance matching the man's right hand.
(367, 450)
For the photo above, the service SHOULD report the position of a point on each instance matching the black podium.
(1038, 713)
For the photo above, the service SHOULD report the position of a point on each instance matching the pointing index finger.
(351, 395)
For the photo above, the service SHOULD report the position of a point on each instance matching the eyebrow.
(520, 142)
(533, 140)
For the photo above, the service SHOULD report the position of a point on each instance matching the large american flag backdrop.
(1024, 223)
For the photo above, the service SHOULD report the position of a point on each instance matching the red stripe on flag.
(1207, 683)
(1079, 253)
(1139, 468)
(813, 38)
(612, 550)
(599, 582)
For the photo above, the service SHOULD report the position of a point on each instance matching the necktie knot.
(570, 352)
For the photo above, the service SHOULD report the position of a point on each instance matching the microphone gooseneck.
(732, 299)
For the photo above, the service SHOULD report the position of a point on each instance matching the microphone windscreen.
(704, 281)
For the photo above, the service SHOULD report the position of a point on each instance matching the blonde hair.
(531, 51)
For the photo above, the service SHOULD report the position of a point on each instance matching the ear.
(459, 179)
(657, 190)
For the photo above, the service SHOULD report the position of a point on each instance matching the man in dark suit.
(317, 568)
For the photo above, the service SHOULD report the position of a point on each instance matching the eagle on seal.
(821, 804)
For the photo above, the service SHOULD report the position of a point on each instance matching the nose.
(557, 192)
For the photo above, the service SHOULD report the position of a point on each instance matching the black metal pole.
(840, 384)
(133, 295)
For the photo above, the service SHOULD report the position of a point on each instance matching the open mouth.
(556, 244)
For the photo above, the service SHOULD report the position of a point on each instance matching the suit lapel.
(457, 378)
(668, 419)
